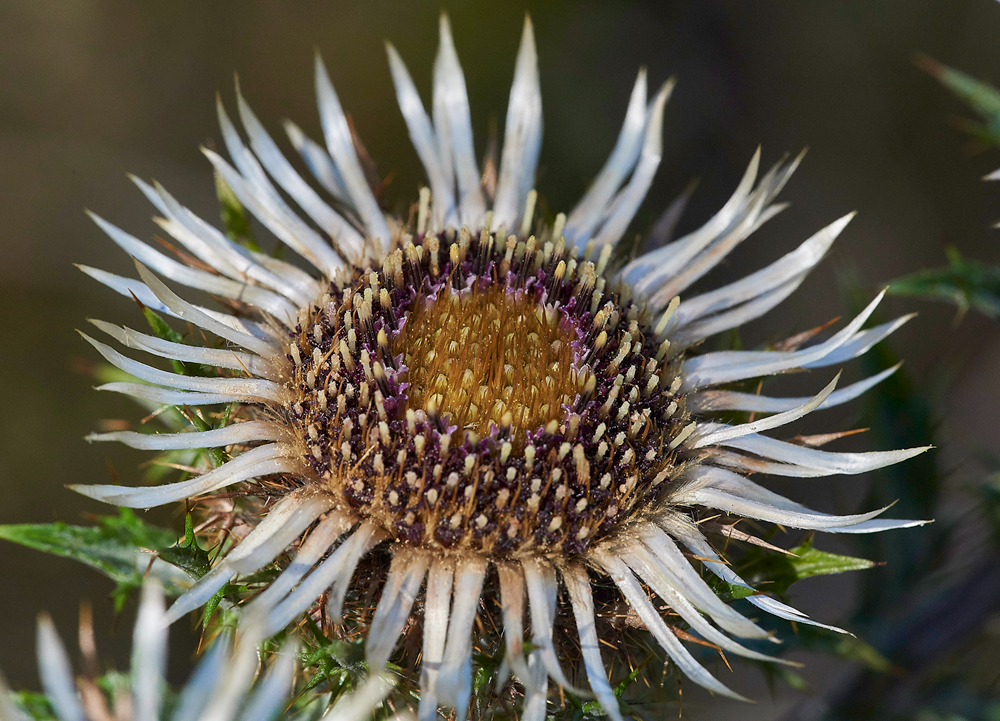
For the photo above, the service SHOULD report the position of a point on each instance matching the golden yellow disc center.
(488, 356)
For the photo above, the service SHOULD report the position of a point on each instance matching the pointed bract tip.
(837, 226)
(319, 66)
(873, 303)
(395, 59)
(654, 130)
(220, 109)
(143, 270)
(528, 35)
(668, 86)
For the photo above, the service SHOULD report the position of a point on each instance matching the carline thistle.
(498, 406)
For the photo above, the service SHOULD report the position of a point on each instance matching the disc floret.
(483, 394)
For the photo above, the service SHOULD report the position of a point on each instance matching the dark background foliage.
(91, 89)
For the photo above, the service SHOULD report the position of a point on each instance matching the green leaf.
(188, 555)
(214, 601)
(622, 686)
(161, 329)
(216, 455)
(109, 547)
(335, 662)
(234, 215)
(738, 591)
(982, 97)
(810, 561)
(775, 572)
(968, 284)
(727, 591)
(789, 677)
(34, 705)
(851, 648)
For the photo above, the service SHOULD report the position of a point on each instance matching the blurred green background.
(90, 90)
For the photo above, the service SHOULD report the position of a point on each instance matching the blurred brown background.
(92, 89)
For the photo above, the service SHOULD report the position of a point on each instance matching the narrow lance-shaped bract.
(484, 390)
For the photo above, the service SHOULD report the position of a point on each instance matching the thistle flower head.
(481, 395)
(487, 400)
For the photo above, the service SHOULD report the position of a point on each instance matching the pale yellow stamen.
(491, 358)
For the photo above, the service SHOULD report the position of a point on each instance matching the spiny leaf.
(188, 555)
(193, 561)
(969, 284)
(809, 561)
(109, 547)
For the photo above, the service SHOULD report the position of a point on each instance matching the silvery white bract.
(222, 687)
(493, 402)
